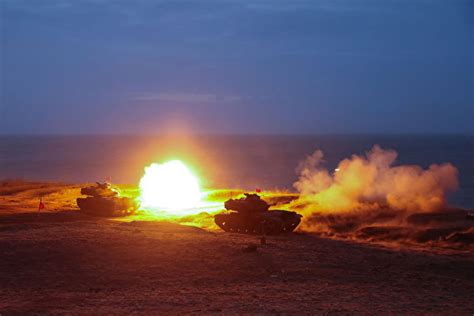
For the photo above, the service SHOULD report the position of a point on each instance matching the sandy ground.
(62, 261)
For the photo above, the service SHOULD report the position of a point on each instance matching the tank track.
(271, 222)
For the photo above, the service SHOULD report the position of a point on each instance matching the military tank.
(104, 200)
(251, 215)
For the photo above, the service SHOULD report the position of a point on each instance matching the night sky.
(237, 66)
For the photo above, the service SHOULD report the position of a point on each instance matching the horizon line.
(244, 134)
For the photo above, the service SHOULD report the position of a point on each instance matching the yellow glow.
(171, 188)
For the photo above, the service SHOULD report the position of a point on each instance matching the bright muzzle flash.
(170, 187)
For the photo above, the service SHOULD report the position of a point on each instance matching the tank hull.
(107, 207)
(270, 222)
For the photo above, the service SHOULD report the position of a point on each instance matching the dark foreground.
(65, 262)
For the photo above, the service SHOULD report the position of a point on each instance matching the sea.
(248, 162)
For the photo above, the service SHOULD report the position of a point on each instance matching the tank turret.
(251, 215)
(105, 200)
(250, 203)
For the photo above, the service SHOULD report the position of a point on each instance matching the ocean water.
(247, 162)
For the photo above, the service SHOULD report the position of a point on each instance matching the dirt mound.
(164, 227)
(450, 228)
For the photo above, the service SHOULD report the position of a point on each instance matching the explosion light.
(170, 187)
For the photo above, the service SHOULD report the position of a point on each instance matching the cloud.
(186, 97)
(321, 5)
(176, 97)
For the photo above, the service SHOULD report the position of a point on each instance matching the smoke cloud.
(371, 198)
(373, 182)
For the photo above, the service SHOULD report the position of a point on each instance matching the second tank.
(251, 215)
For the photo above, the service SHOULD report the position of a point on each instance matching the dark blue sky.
(237, 66)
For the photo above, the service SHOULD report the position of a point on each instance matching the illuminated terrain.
(61, 260)
(354, 243)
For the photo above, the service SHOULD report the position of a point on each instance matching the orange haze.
(371, 182)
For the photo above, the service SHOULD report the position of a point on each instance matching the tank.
(104, 200)
(251, 215)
